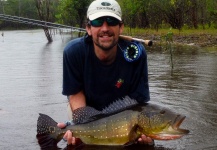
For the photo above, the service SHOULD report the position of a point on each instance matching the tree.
(173, 12)
(129, 8)
(136, 13)
(22, 8)
(211, 8)
(46, 13)
(155, 13)
(73, 12)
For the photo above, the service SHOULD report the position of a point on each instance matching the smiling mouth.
(105, 38)
(105, 35)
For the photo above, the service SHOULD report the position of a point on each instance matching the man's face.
(105, 32)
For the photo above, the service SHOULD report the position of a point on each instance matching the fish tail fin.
(45, 128)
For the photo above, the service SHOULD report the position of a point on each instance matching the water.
(31, 83)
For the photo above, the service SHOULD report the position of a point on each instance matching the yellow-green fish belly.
(112, 130)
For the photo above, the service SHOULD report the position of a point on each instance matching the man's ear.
(88, 29)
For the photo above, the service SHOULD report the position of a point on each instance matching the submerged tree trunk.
(43, 8)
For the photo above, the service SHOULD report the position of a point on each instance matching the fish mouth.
(172, 131)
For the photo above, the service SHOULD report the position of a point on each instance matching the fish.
(121, 123)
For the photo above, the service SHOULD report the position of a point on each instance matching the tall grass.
(185, 31)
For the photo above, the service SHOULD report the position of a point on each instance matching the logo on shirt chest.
(119, 83)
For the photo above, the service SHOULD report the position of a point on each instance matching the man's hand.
(145, 140)
(68, 137)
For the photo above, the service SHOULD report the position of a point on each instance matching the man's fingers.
(73, 140)
(61, 125)
(145, 140)
(69, 137)
(65, 137)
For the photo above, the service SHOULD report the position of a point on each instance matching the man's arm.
(77, 100)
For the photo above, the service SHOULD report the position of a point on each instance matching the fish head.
(161, 124)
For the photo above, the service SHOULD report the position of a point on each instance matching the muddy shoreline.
(201, 40)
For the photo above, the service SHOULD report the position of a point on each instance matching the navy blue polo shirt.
(103, 84)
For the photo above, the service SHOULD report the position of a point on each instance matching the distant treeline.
(153, 14)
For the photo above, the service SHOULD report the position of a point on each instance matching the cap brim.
(102, 14)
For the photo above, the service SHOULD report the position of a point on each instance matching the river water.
(31, 83)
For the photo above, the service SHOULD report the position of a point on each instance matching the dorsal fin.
(87, 114)
(120, 105)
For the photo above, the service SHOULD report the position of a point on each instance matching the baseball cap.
(100, 8)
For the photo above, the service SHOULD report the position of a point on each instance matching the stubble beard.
(103, 46)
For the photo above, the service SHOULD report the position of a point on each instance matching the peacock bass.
(121, 123)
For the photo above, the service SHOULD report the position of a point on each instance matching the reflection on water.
(31, 81)
(190, 88)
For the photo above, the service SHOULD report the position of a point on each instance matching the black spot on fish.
(162, 112)
(44, 124)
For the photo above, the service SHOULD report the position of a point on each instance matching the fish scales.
(112, 130)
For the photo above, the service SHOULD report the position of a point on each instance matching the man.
(98, 70)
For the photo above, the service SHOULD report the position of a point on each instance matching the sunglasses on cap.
(99, 21)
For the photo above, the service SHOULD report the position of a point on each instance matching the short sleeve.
(72, 67)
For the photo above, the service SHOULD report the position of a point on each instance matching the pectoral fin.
(133, 136)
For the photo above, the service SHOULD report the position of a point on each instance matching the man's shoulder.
(75, 43)
(78, 46)
(123, 43)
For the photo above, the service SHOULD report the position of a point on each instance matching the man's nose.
(105, 26)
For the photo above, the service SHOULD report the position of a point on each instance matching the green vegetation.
(194, 19)
(148, 14)
(73, 12)
(164, 31)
